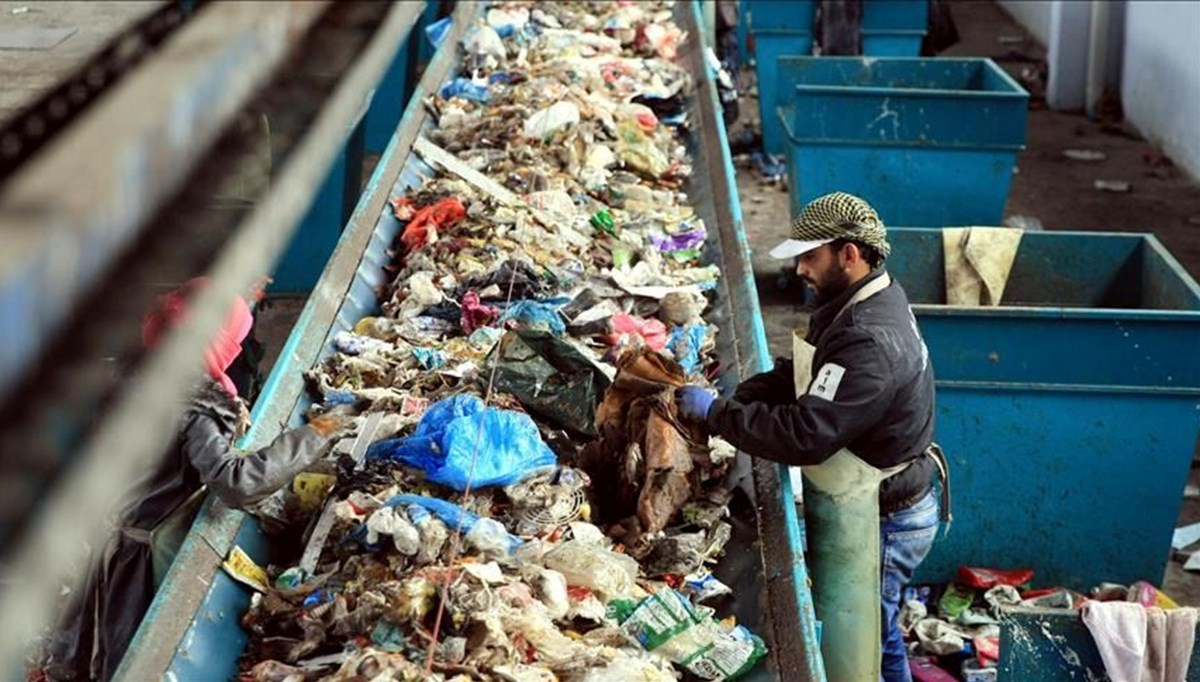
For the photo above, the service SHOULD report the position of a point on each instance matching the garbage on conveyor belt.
(954, 629)
(530, 507)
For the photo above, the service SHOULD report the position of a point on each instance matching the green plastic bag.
(667, 623)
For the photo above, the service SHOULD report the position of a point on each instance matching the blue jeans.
(905, 539)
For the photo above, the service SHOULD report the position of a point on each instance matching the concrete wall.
(1160, 83)
(1034, 15)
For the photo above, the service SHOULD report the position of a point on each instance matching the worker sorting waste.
(853, 408)
(522, 499)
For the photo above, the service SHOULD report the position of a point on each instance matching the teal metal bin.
(777, 28)
(1053, 645)
(1070, 413)
(770, 45)
(926, 141)
(894, 28)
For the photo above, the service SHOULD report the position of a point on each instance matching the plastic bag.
(464, 88)
(685, 344)
(985, 578)
(552, 379)
(436, 32)
(386, 521)
(551, 587)
(432, 531)
(652, 331)
(545, 123)
(461, 442)
(609, 574)
(536, 316)
(626, 667)
(667, 623)
(955, 601)
(455, 517)
(489, 537)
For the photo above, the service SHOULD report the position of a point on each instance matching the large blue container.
(890, 28)
(791, 15)
(892, 43)
(1054, 645)
(1069, 414)
(926, 141)
(894, 28)
(769, 46)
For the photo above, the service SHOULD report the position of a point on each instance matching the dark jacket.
(881, 409)
(99, 625)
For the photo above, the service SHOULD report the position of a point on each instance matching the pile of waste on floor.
(530, 507)
(953, 630)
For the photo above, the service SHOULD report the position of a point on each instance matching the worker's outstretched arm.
(238, 478)
(851, 391)
(774, 387)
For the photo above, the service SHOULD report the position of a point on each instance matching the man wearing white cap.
(854, 409)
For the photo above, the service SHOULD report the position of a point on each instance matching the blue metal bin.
(777, 27)
(892, 43)
(791, 15)
(926, 141)
(1070, 413)
(1054, 645)
(771, 46)
(894, 28)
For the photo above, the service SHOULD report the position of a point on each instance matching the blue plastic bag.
(464, 88)
(685, 342)
(531, 314)
(461, 441)
(455, 517)
(436, 32)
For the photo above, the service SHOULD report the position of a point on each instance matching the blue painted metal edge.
(781, 113)
(929, 93)
(1028, 387)
(762, 357)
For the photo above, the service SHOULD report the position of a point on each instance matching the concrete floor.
(27, 74)
(1048, 186)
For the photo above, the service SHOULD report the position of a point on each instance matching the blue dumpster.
(1053, 645)
(894, 28)
(777, 28)
(1070, 413)
(926, 141)
(769, 46)
(793, 15)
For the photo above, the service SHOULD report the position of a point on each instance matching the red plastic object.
(987, 578)
(475, 314)
(652, 331)
(924, 669)
(438, 215)
(987, 650)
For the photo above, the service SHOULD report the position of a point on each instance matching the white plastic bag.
(605, 572)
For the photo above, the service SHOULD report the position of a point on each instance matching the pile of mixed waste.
(954, 629)
(521, 501)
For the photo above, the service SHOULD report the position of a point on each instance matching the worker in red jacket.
(149, 530)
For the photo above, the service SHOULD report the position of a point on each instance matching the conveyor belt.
(192, 628)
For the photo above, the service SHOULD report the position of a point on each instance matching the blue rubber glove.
(694, 402)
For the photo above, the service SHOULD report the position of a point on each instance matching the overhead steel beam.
(142, 417)
(76, 206)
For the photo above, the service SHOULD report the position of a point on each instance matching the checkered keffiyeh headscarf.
(841, 216)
